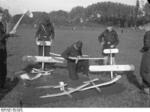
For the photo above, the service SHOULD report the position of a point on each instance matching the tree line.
(100, 13)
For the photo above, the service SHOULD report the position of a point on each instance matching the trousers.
(81, 67)
(46, 53)
(145, 69)
(3, 67)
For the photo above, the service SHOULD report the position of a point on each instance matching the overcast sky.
(19, 6)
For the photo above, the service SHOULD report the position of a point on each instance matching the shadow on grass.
(10, 84)
(32, 98)
(133, 79)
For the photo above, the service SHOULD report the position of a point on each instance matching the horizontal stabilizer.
(45, 59)
(104, 68)
(109, 51)
(45, 43)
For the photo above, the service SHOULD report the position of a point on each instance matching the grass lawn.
(124, 93)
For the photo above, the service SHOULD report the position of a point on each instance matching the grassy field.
(124, 93)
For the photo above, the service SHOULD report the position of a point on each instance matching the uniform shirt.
(3, 37)
(109, 38)
(45, 32)
(71, 52)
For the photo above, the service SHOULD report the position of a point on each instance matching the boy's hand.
(112, 46)
(12, 32)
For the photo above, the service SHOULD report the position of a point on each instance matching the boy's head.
(147, 27)
(109, 26)
(78, 44)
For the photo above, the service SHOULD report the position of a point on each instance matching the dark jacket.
(146, 42)
(71, 52)
(81, 66)
(109, 38)
(145, 62)
(45, 32)
(3, 36)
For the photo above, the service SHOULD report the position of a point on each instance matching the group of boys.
(108, 39)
